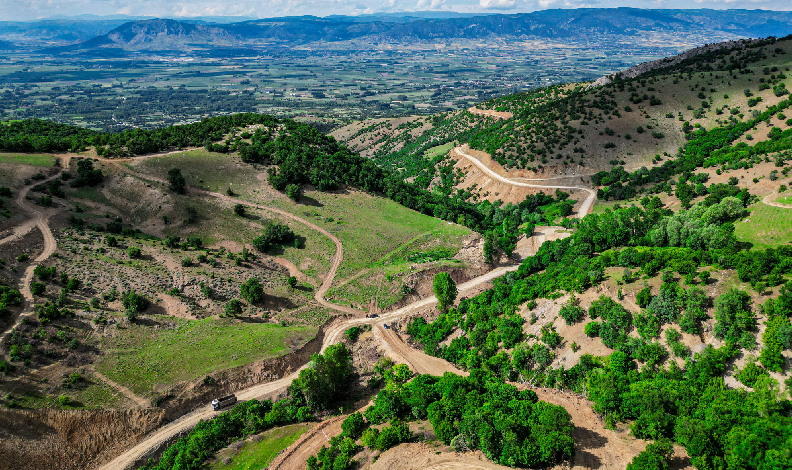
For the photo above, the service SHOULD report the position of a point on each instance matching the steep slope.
(638, 118)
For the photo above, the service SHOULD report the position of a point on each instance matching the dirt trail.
(584, 209)
(308, 444)
(417, 360)
(19, 231)
(140, 401)
(491, 113)
(595, 446)
(41, 221)
(332, 335)
(338, 257)
(766, 200)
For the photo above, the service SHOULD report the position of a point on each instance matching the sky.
(23, 10)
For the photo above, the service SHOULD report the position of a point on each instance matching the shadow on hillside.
(309, 201)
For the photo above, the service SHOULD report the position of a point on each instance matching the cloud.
(430, 4)
(497, 4)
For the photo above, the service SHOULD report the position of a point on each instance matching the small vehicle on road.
(218, 403)
(385, 325)
(372, 315)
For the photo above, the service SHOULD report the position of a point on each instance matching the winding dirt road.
(766, 200)
(332, 335)
(420, 362)
(584, 209)
(39, 220)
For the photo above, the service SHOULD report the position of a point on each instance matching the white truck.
(218, 403)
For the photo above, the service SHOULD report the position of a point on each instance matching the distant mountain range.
(117, 36)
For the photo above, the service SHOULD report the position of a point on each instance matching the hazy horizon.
(32, 10)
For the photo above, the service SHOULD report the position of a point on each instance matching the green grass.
(433, 152)
(784, 200)
(203, 169)
(32, 159)
(179, 349)
(767, 226)
(257, 455)
(371, 227)
(90, 393)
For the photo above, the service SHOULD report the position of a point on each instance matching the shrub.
(571, 312)
(592, 329)
(134, 302)
(353, 425)
(252, 291)
(233, 308)
(37, 288)
(294, 192)
(274, 233)
(134, 252)
(176, 181)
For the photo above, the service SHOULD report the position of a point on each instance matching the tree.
(734, 320)
(655, 457)
(176, 181)
(233, 308)
(134, 302)
(353, 425)
(252, 290)
(325, 377)
(445, 289)
(571, 311)
(294, 192)
(643, 297)
(239, 210)
(133, 252)
(292, 282)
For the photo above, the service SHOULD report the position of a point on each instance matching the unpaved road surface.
(767, 200)
(40, 220)
(338, 257)
(584, 209)
(332, 335)
(597, 447)
(491, 113)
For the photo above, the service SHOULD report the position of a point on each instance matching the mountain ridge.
(583, 24)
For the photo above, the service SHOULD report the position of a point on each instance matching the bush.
(572, 312)
(134, 252)
(734, 320)
(233, 308)
(353, 425)
(294, 192)
(369, 437)
(111, 241)
(274, 233)
(252, 291)
(134, 302)
(37, 288)
(393, 435)
(176, 181)
(655, 457)
(592, 329)
(43, 272)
